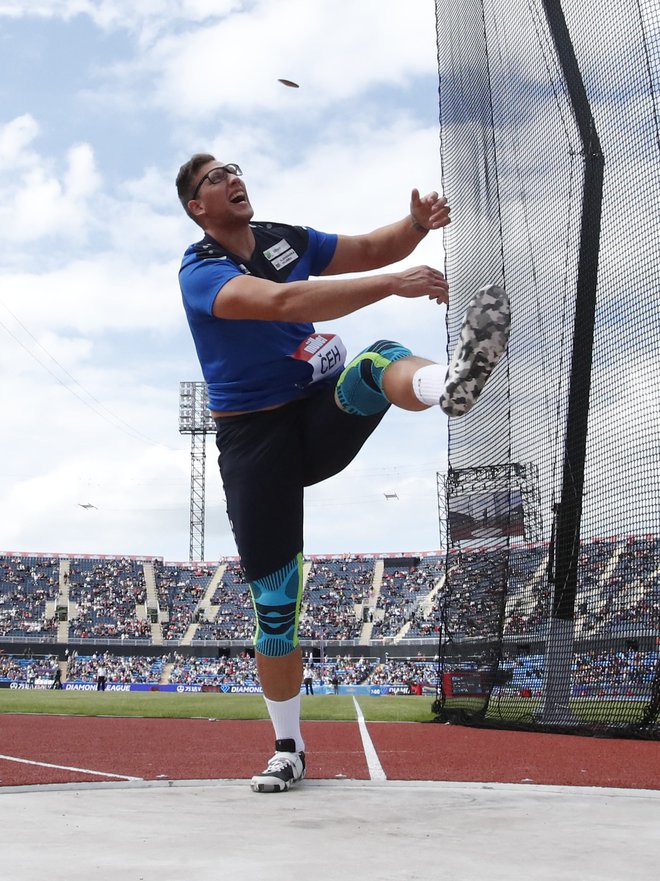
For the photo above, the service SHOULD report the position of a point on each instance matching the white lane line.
(68, 768)
(373, 762)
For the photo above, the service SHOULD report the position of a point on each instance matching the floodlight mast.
(195, 420)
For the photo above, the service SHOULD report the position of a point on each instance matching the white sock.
(285, 716)
(429, 382)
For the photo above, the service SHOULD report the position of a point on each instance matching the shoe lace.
(280, 761)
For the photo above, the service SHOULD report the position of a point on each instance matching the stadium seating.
(84, 668)
(92, 603)
(108, 595)
(180, 590)
(28, 590)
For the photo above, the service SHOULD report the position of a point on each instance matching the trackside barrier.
(224, 688)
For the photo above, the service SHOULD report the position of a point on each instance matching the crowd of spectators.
(333, 591)
(402, 592)
(347, 669)
(405, 671)
(231, 585)
(85, 668)
(620, 670)
(26, 585)
(475, 590)
(628, 592)
(110, 596)
(241, 670)
(618, 590)
(180, 590)
(27, 668)
(234, 616)
(470, 599)
(528, 593)
(226, 627)
(623, 673)
(477, 593)
(592, 672)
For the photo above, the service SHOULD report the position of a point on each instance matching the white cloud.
(120, 14)
(96, 295)
(16, 137)
(39, 202)
(233, 66)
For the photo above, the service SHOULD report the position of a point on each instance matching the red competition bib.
(324, 352)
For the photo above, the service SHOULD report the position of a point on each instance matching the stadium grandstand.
(369, 624)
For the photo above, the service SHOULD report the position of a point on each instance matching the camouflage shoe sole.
(482, 342)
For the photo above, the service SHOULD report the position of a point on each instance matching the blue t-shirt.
(249, 364)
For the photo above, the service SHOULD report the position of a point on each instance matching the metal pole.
(559, 651)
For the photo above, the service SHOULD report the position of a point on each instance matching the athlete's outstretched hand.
(430, 211)
(423, 281)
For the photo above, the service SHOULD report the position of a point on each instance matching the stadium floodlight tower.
(195, 420)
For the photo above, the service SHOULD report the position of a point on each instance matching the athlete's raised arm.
(323, 299)
(389, 244)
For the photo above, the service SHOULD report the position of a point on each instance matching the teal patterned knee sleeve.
(276, 599)
(359, 388)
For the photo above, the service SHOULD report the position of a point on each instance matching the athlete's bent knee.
(359, 389)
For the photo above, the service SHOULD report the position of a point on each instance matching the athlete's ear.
(195, 207)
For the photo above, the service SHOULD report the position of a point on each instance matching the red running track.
(87, 749)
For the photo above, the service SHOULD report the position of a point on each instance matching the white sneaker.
(284, 769)
(482, 342)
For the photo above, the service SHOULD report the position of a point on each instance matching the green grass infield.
(394, 708)
(162, 705)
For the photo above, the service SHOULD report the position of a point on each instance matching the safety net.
(550, 146)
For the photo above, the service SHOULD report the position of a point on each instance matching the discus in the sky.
(289, 83)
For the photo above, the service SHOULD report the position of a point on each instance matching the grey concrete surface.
(327, 831)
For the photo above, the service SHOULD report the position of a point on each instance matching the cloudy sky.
(100, 102)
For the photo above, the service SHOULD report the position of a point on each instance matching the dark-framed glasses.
(217, 175)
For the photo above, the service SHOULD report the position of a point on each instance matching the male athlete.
(289, 410)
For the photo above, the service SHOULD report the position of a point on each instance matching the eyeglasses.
(217, 175)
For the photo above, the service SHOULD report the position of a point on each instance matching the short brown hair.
(185, 179)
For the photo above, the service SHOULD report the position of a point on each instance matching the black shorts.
(267, 458)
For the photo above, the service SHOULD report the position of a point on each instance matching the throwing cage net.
(550, 142)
